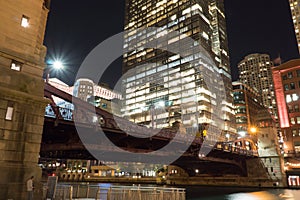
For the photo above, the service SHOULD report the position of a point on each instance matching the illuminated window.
(288, 98)
(298, 120)
(292, 120)
(25, 21)
(295, 97)
(297, 146)
(9, 111)
(294, 131)
(15, 65)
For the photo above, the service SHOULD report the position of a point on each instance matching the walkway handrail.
(68, 191)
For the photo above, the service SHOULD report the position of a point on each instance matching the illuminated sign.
(280, 97)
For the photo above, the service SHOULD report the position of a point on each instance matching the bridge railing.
(228, 147)
(69, 192)
(65, 113)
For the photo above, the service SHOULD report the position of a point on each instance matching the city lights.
(253, 130)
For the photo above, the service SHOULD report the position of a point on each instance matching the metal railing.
(69, 192)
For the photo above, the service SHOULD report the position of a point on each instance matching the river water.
(227, 193)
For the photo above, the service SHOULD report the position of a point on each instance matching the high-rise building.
(295, 10)
(83, 89)
(287, 86)
(254, 121)
(22, 103)
(247, 108)
(255, 71)
(162, 85)
(287, 89)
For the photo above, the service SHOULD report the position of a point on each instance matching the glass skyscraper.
(176, 66)
(295, 8)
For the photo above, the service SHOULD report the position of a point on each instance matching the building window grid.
(177, 25)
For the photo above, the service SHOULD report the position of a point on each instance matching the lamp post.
(57, 65)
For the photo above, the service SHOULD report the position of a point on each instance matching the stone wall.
(22, 103)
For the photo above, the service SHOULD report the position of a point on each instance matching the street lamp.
(253, 130)
(57, 65)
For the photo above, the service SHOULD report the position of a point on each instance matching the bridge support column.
(255, 169)
(20, 139)
(22, 103)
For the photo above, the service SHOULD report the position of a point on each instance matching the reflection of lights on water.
(264, 195)
(290, 194)
(242, 196)
(252, 196)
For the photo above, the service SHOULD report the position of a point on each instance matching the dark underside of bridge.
(61, 141)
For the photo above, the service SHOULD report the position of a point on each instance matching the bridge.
(62, 141)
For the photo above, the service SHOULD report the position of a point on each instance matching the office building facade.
(176, 79)
(295, 11)
(248, 108)
(287, 87)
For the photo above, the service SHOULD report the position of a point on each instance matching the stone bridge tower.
(22, 105)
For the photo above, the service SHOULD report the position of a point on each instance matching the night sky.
(75, 27)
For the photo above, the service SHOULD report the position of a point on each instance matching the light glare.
(253, 130)
(58, 65)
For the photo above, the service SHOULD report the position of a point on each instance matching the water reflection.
(207, 193)
(252, 196)
(265, 195)
(288, 194)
